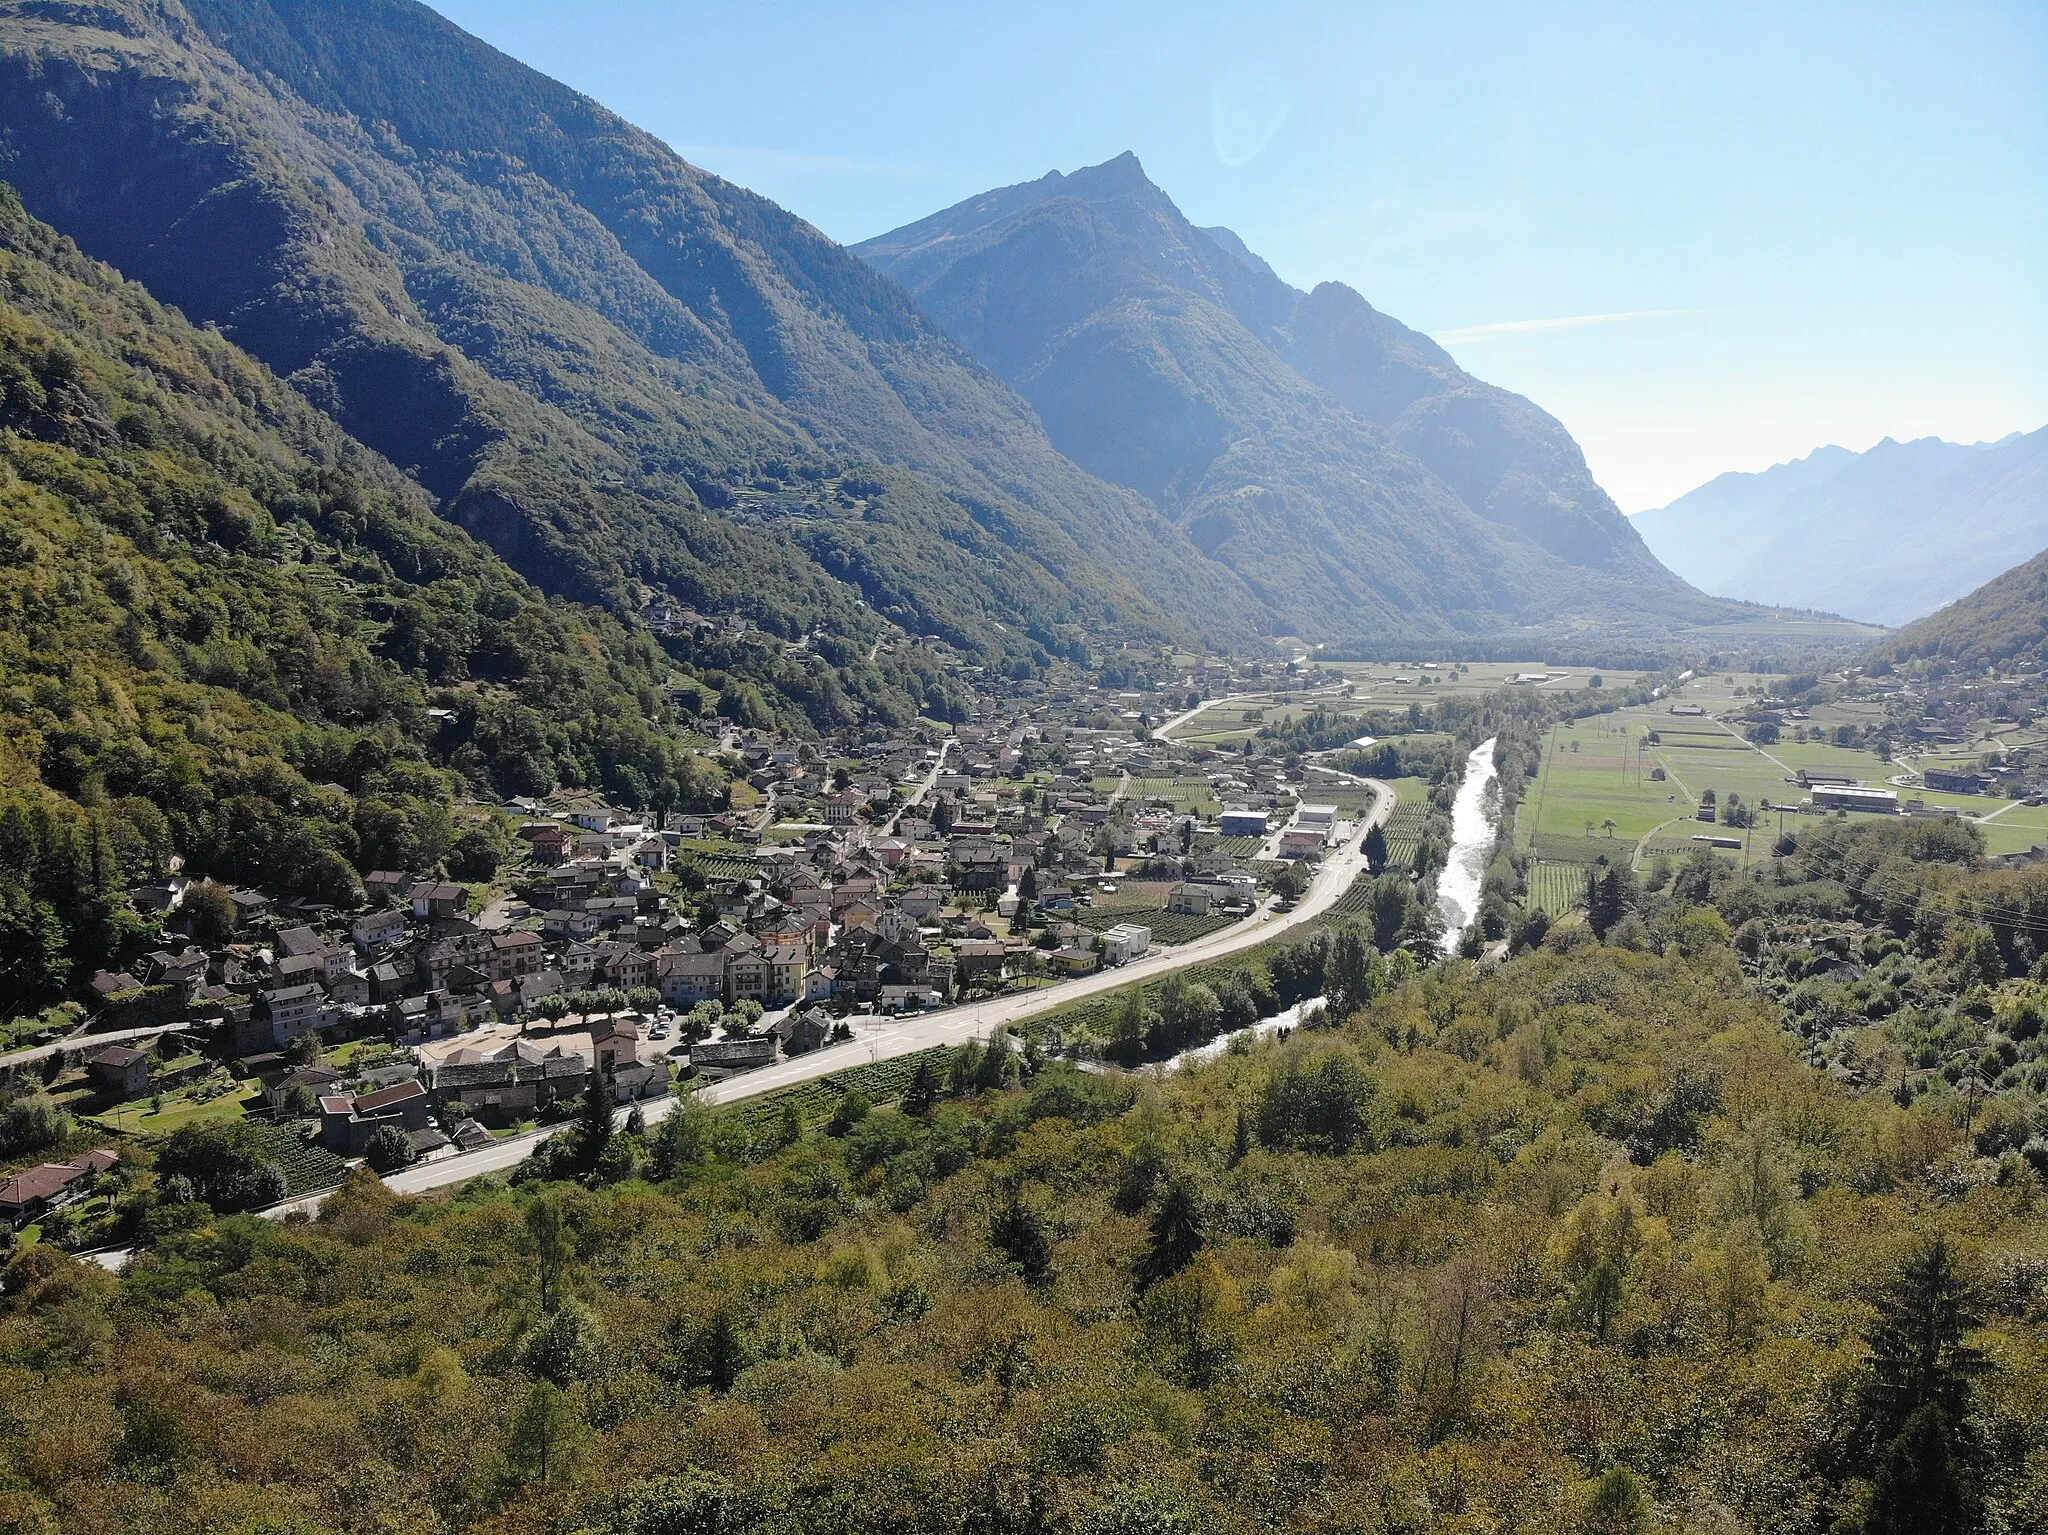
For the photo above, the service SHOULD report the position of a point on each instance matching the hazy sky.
(1707, 237)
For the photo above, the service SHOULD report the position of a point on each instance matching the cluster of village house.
(894, 897)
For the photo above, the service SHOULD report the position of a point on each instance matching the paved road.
(889, 827)
(72, 1044)
(950, 1026)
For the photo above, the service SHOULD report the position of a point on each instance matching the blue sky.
(1706, 237)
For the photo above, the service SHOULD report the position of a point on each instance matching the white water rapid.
(1457, 887)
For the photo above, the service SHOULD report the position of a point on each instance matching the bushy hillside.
(1570, 1245)
(608, 365)
(1886, 536)
(223, 624)
(1339, 462)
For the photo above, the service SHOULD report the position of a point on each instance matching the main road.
(949, 1026)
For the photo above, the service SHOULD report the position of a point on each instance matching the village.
(1059, 832)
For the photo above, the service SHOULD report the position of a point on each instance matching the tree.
(1391, 904)
(1177, 1234)
(34, 963)
(924, 1088)
(211, 912)
(552, 1247)
(1617, 1505)
(1189, 1316)
(853, 1106)
(693, 1503)
(1913, 1428)
(561, 1345)
(1017, 1231)
(546, 1434)
(681, 1141)
(1376, 848)
(389, 1149)
(31, 1122)
(721, 1353)
(226, 1164)
(1925, 1482)
(594, 1121)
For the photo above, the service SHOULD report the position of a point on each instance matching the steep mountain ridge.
(1029, 278)
(230, 633)
(607, 363)
(1887, 535)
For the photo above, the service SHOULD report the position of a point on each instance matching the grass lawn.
(180, 1110)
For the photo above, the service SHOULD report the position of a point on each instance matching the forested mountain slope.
(1337, 460)
(1886, 536)
(605, 363)
(2003, 620)
(223, 623)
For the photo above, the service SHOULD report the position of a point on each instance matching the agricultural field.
(1557, 887)
(1132, 895)
(1383, 684)
(880, 1082)
(719, 859)
(1187, 795)
(1404, 828)
(307, 1168)
(1230, 847)
(1601, 770)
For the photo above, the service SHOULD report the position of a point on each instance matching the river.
(1287, 1018)
(1457, 887)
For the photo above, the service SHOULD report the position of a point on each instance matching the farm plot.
(719, 860)
(1231, 847)
(1596, 784)
(1186, 795)
(307, 1168)
(759, 1119)
(1404, 833)
(1557, 887)
(1171, 927)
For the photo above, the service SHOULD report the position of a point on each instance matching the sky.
(1707, 238)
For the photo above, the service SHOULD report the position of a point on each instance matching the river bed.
(1287, 1018)
(1472, 832)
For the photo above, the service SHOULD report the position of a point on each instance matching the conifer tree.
(594, 1121)
(1913, 1427)
(1177, 1235)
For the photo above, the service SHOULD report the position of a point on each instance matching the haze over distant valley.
(1885, 536)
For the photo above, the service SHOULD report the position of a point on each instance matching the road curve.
(949, 1026)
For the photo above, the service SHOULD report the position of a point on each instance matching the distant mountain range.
(1885, 536)
(1339, 463)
